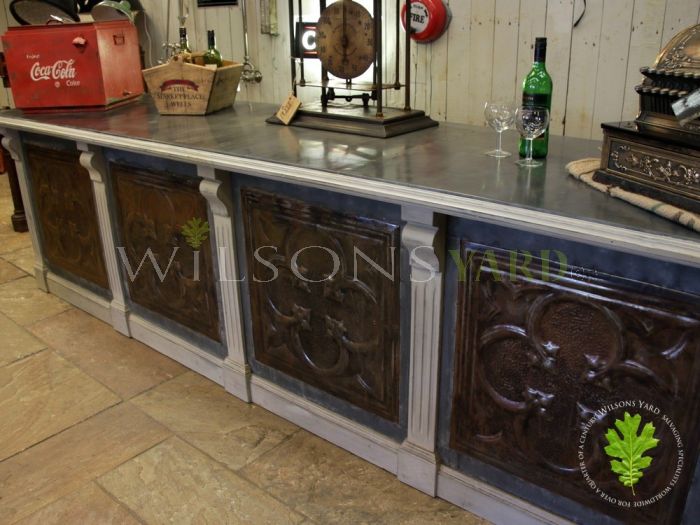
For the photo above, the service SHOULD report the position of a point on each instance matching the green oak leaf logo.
(629, 448)
(196, 231)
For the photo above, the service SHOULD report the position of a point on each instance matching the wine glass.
(531, 122)
(500, 117)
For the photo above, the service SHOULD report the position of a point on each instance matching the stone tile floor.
(96, 428)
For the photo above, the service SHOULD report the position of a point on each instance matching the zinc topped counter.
(441, 168)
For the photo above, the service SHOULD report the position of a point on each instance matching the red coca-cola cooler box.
(81, 66)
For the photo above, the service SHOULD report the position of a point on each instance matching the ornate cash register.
(658, 154)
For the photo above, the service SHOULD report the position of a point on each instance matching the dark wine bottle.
(212, 55)
(537, 92)
(184, 41)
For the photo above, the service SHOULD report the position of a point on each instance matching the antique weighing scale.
(658, 154)
(347, 39)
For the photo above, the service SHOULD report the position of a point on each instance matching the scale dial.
(345, 39)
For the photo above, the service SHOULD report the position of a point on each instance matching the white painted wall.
(485, 55)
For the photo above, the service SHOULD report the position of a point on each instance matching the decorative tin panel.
(322, 313)
(538, 359)
(153, 209)
(66, 212)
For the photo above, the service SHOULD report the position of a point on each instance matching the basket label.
(179, 82)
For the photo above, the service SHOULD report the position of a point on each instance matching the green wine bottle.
(184, 41)
(537, 91)
(212, 55)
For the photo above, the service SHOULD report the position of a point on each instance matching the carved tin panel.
(66, 212)
(340, 334)
(153, 208)
(537, 359)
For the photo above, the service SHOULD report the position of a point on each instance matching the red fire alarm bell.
(429, 19)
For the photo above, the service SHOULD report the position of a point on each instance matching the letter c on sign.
(308, 40)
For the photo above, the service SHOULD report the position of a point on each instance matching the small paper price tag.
(288, 109)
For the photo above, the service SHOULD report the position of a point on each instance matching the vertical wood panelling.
(505, 56)
(647, 26)
(612, 64)
(437, 83)
(481, 37)
(679, 15)
(485, 55)
(458, 57)
(419, 76)
(583, 73)
(560, 15)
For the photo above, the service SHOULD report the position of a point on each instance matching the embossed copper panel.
(340, 335)
(153, 208)
(652, 164)
(665, 169)
(66, 212)
(536, 357)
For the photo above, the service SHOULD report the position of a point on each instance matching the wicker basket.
(179, 88)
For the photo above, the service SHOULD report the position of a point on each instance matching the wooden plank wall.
(485, 55)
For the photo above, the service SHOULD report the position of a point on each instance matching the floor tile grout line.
(25, 357)
(239, 475)
(236, 471)
(10, 252)
(141, 453)
(184, 369)
(28, 333)
(68, 305)
(8, 261)
(119, 502)
(277, 446)
(43, 440)
(24, 274)
(123, 399)
(77, 366)
(164, 381)
(96, 478)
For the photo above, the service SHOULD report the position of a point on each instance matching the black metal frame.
(214, 3)
(296, 17)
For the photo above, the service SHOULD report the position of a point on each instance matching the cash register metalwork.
(658, 154)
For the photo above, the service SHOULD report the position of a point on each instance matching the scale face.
(348, 40)
(345, 39)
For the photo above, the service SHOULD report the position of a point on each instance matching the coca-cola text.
(60, 70)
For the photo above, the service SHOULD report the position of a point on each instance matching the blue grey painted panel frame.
(56, 145)
(649, 274)
(183, 170)
(344, 204)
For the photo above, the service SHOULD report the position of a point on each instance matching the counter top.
(443, 168)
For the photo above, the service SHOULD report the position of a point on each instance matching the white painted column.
(236, 371)
(11, 142)
(94, 162)
(417, 460)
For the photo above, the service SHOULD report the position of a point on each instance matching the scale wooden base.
(359, 120)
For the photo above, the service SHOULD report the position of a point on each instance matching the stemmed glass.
(531, 122)
(500, 117)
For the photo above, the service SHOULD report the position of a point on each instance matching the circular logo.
(642, 454)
